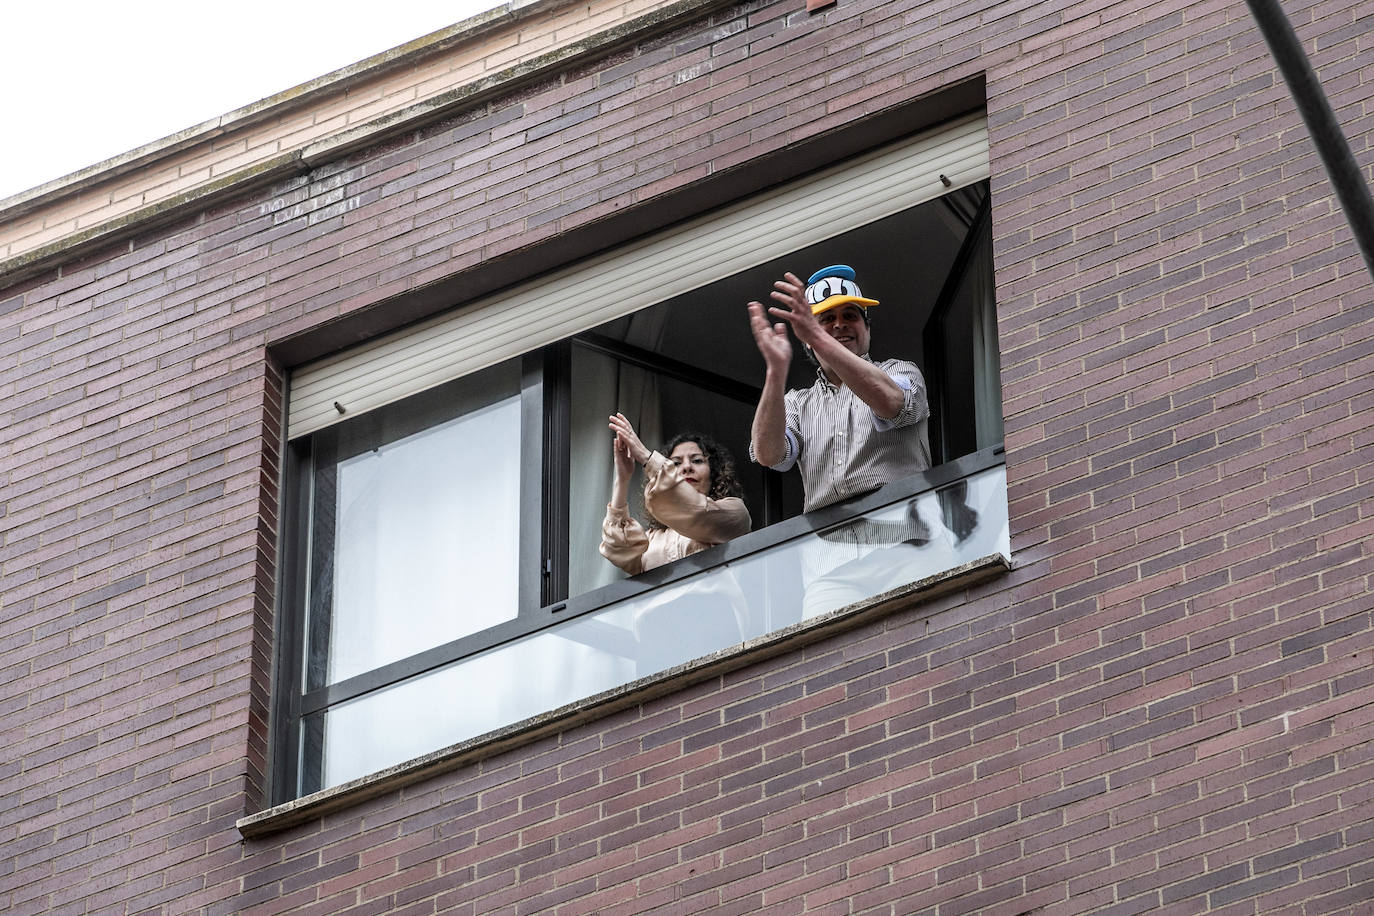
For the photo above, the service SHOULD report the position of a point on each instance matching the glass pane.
(649, 633)
(885, 549)
(420, 545)
(475, 696)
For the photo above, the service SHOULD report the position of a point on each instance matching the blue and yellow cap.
(834, 286)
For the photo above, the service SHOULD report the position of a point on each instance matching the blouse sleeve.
(623, 540)
(677, 504)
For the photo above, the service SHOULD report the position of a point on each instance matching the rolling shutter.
(639, 274)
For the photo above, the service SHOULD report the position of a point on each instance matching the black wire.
(1351, 189)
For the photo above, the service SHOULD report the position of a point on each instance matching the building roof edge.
(294, 97)
(25, 264)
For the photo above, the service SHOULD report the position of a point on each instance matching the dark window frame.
(545, 393)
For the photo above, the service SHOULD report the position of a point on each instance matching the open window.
(446, 485)
(689, 364)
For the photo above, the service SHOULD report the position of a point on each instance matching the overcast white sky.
(81, 81)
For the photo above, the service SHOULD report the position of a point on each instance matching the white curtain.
(987, 390)
(602, 386)
(425, 553)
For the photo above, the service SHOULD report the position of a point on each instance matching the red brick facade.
(1168, 704)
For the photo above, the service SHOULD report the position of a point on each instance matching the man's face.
(846, 324)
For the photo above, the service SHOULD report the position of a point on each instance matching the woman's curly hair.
(718, 458)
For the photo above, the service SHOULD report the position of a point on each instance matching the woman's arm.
(677, 504)
(623, 540)
(624, 470)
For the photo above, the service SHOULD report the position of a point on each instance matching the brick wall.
(1166, 706)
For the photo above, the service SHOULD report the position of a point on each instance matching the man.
(861, 425)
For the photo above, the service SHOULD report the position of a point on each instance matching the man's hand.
(771, 340)
(792, 307)
(841, 365)
(768, 432)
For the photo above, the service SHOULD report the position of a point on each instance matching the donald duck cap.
(832, 287)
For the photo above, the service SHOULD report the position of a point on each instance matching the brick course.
(1165, 705)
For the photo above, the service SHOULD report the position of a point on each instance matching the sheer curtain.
(987, 385)
(602, 385)
(425, 546)
(426, 550)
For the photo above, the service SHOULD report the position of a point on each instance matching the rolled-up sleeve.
(792, 437)
(677, 504)
(790, 453)
(915, 407)
(623, 540)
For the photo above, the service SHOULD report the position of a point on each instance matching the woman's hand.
(624, 464)
(625, 438)
(624, 468)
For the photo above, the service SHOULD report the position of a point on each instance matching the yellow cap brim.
(831, 302)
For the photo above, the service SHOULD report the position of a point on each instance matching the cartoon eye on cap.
(832, 287)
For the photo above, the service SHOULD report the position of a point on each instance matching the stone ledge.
(798, 635)
(312, 155)
(529, 70)
(296, 97)
(113, 230)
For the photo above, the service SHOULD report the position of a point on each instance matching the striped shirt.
(843, 448)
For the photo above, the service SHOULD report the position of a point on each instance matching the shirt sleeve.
(623, 540)
(792, 440)
(915, 407)
(677, 504)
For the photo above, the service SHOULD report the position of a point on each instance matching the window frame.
(545, 397)
(293, 702)
(544, 560)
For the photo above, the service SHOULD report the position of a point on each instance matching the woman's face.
(692, 466)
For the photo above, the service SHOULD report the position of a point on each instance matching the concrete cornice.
(287, 100)
(118, 226)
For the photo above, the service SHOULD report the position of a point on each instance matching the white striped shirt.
(843, 448)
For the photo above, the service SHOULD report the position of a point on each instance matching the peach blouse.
(694, 521)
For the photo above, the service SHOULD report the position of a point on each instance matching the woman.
(691, 496)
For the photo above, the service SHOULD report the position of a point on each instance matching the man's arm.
(769, 432)
(870, 384)
(915, 407)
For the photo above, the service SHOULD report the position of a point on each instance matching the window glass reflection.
(713, 610)
(425, 533)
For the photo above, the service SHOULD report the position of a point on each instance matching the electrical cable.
(1351, 188)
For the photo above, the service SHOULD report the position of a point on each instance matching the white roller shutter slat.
(638, 275)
